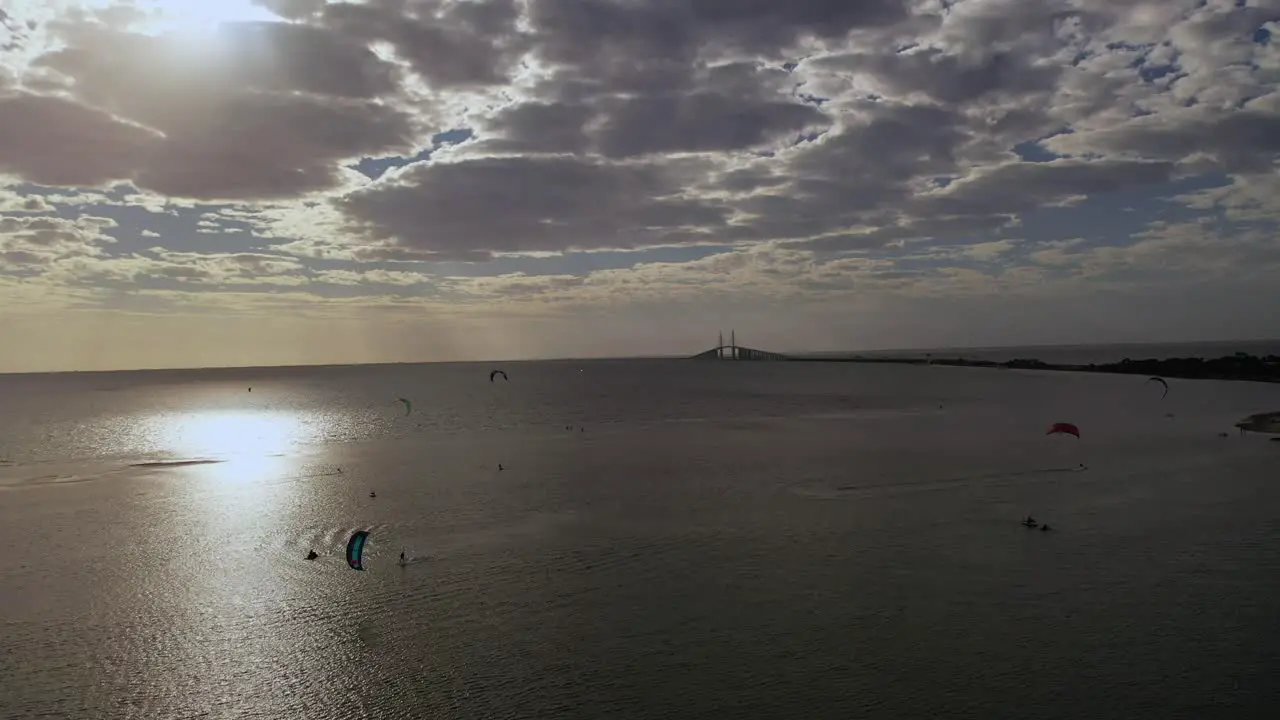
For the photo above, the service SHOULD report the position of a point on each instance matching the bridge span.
(734, 351)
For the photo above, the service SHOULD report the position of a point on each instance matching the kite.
(1066, 428)
(355, 549)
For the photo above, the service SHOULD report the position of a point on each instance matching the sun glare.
(193, 18)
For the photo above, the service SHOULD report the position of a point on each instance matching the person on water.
(373, 494)
(312, 555)
(1029, 522)
(402, 556)
(1045, 528)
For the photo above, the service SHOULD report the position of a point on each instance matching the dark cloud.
(699, 122)
(599, 33)
(266, 111)
(54, 141)
(720, 108)
(847, 179)
(450, 44)
(948, 79)
(887, 143)
(1019, 187)
(1243, 141)
(540, 127)
(529, 203)
(269, 146)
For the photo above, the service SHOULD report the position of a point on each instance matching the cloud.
(1021, 187)
(29, 244)
(11, 202)
(548, 203)
(50, 140)
(259, 111)
(449, 44)
(555, 157)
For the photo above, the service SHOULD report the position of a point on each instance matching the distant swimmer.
(402, 556)
(1045, 528)
(312, 555)
(373, 494)
(1029, 522)
(499, 466)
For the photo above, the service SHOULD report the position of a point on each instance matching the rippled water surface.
(665, 539)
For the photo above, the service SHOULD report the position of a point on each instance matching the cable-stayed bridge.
(734, 351)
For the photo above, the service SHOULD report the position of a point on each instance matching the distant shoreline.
(1240, 366)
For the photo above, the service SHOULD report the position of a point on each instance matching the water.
(1098, 354)
(770, 540)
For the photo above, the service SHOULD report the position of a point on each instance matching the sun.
(197, 17)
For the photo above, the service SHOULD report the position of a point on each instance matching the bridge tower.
(731, 351)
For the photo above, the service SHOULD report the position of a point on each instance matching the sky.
(259, 182)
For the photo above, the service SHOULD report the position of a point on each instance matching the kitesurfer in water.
(402, 555)
(1029, 522)
(312, 555)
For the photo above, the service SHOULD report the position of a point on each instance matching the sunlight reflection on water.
(229, 434)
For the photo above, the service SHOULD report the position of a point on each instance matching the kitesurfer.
(1029, 522)
(312, 555)
(401, 555)
(499, 466)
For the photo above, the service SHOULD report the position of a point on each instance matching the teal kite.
(355, 549)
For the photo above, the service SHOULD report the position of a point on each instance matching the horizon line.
(648, 356)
